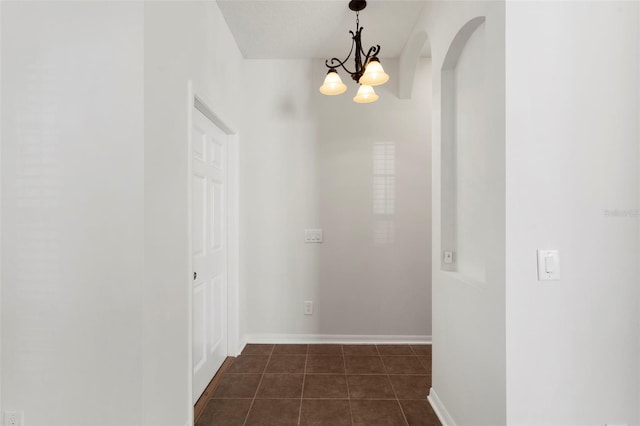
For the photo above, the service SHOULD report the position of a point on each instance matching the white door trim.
(198, 101)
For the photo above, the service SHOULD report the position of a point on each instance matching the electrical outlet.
(448, 257)
(13, 418)
(308, 307)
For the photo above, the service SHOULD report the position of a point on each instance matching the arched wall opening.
(463, 151)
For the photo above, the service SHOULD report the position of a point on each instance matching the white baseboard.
(440, 410)
(243, 343)
(336, 338)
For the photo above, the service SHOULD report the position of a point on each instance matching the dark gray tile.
(237, 386)
(325, 349)
(325, 386)
(271, 412)
(426, 362)
(376, 412)
(280, 386)
(249, 364)
(419, 413)
(286, 364)
(395, 350)
(325, 412)
(362, 350)
(411, 387)
(403, 365)
(364, 365)
(422, 350)
(290, 349)
(370, 387)
(256, 349)
(224, 412)
(325, 364)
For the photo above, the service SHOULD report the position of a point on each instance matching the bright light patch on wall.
(384, 182)
(383, 233)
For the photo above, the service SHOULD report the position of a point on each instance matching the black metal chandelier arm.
(373, 51)
(335, 63)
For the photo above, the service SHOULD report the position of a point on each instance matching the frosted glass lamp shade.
(374, 75)
(365, 95)
(333, 84)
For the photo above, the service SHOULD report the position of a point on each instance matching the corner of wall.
(441, 411)
(1, 227)
(638, 204)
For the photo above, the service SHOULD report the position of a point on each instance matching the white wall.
(94, 204)
(638, 195)
(572, 161)
(307, 163)
(72, 211)
(183, 41)
(468, 316)
(1, 229)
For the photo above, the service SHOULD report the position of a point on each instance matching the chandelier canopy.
(368, 72)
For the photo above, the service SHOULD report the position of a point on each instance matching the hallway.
(508, 129)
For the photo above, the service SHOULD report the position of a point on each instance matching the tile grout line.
(304, 377)
(413, 350)
(346, 379)
(395, 394)
(253, 400)
(404, 417)
(382, 360)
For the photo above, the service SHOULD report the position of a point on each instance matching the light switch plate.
(548, 265)
(313, 235)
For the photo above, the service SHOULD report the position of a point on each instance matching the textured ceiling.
(304, 29)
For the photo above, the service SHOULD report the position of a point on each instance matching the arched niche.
(463, 152)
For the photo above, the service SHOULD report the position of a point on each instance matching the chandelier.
(367, 73)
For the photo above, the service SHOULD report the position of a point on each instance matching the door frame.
(196, 100)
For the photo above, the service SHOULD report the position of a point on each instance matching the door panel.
(217, 236)
(199, 185)
(209, 228)
(199, 340)
(218, 317)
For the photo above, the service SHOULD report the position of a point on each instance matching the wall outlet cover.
(13, 418)
(308, 307)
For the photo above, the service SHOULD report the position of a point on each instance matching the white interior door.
(209, 248)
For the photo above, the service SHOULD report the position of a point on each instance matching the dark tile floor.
(325, 385)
